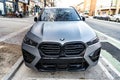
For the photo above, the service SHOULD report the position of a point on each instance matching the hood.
(63, 31)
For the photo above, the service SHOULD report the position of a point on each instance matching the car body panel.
(71, 31)
(115, 17)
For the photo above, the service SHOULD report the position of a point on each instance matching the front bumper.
(34, 60)
(47, 64)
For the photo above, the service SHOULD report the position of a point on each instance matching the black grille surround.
(55, 49)
(68, 56)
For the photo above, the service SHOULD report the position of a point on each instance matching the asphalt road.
(109, 28)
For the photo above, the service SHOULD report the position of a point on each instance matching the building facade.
(22, 6)
(2, 7)
(48, 3)
(89, 7)
(26, 7)
(35, 7)
(80, 7)
(110, 7)
(9, 7)
(6, 7)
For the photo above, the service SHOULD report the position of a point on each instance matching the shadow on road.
(114, 51)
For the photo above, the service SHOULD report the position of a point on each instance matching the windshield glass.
(59, 14)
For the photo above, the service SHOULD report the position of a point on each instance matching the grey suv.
(60, 40)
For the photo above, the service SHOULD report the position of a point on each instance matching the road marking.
(13, 34)
(104, 59)
(106, 71)
(112, 67)
(109, 38)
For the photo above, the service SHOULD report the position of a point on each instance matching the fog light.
(27, 56)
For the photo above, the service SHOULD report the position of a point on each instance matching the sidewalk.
(17, 17)
(10, 25)
(26, 19)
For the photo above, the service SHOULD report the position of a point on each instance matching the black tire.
(117, 20)
(21, 15)
(109, 19)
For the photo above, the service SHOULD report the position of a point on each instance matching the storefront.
(31, 7)
(6, 7)
(34, 7)
(9, 7)
(23, 6)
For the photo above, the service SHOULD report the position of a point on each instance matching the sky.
(67, 2)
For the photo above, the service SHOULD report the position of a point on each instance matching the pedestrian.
(21, 12)
(17, 14)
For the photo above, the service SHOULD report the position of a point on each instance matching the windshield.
(59, 14)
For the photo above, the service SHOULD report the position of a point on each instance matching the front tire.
(117, 20)
(109, 19)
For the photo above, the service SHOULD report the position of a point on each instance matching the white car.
(60, 40)
(115, 18)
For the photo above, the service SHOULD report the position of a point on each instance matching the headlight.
(93, 41)
(29, 41)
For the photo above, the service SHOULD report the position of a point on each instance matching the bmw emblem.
(62, 39)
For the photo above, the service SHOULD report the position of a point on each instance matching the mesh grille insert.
(74, 48)
(50, 48)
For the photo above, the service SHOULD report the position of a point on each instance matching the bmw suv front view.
(60, 40)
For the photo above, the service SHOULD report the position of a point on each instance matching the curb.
(14, 69)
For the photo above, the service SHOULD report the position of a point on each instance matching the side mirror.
(83, 18)
(35, 19)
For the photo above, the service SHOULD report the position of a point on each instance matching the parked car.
(105, 17)
(97, 17)
(86, 15)
(102, 17)
(60, 40)
(115, 18)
